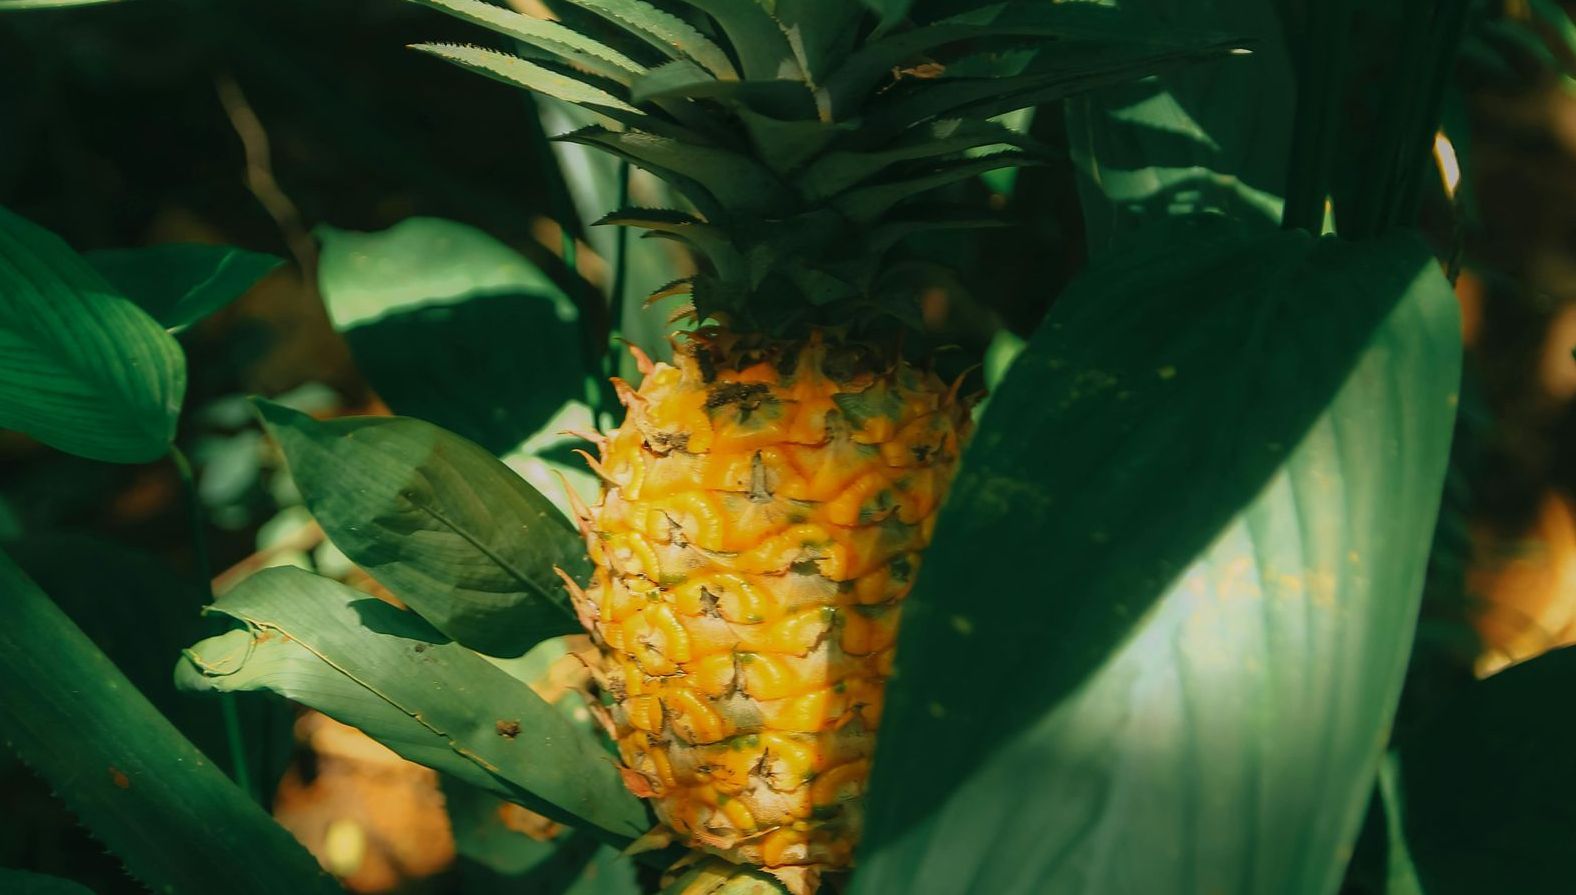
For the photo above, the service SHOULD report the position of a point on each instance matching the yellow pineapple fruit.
(765, 508)
(769, 494)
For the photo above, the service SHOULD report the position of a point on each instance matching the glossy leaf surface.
(364, 662)
(1176, 580)
(179, 284)
(82, 368)
(452, 531)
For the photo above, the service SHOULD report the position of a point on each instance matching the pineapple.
(770, 492)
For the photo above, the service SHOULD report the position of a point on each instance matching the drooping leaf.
(1487, 784)
(735, 180)
(453, 327)
(82, 368)
(1195, 139)
(363, 662)
(149, 795)
(180, 284)
(1200, 503)
(439, 521)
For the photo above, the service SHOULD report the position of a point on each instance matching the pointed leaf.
(670, 34)
(1202, 501)
(756, 38)
(868, 204)
(734, 180)
(780, 99)
(454, 533)
(839, 170)
(181, 284)
(82, 368)
(363, 662)
(20, 882)
(517, 72)
(123, 770)
(543, 34)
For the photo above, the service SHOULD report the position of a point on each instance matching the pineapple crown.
(806, 136)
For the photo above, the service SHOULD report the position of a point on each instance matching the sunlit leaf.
(453, 327)
(365, 663)
(82, 368)
(452, 531)
(1160, 635)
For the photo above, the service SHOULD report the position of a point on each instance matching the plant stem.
(620, 262)
(199, 535)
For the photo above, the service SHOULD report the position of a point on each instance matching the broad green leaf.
(1488, 785)
(453, 327)
(177, 823)
(517, 72)
(1196, 139)
(20, 882)
(182, 283)
(136, 610)
(453, 532)
(82, 368)
(543, 34)
(1200, 504)
(363, 662)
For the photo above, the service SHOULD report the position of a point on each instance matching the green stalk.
(199, 535)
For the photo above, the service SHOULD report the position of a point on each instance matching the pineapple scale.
(761, 521)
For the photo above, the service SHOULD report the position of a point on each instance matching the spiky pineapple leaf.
(869, 204)
(780, 99)
(1201, 503)
(82, 368)
(124, 771)
(180, 284)
(820, 32)
(674, 37)
(366, 663)
(452, 531)
(517, 72)
(543, 34)
(728, 180)
(711, 242)
(756, 37)
(839, 170)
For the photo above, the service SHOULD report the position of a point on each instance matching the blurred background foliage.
(304, 129)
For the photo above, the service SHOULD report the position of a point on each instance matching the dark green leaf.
(1201, 504)
(177, 822)
(454, 533)
(453, 327)
(1489, 787)
(181, 284)
(20, 882)
(1197, 139)
(735, 180)
(497, 857)
(762, 49)
(364, 662)
(837, 171)
(82, 368)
